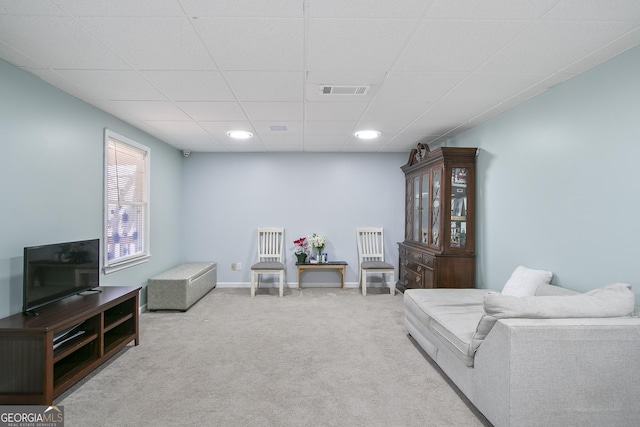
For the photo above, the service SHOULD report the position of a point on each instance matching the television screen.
(54, 272)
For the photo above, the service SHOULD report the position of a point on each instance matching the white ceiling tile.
(593, 10)
(292, 128)
(373, 43)
(418, 87)
(16, 58)
(253, 43)
(328, 128)
(118, 85)
(152, 43)
(243, 8)
(325, 140)
(68, 44)
(31, 7)
(177, 127)
(402, 112)
(367, 8)
(143, 110)
(605, 53)
(334, 111)
(121, 7)
(342, 77)
(190, 85)
(489, 9)
(455, 45)
(537, 50)
(277, 139)
(266, 85)
(213, 111)
(278, 111)
(486, 89)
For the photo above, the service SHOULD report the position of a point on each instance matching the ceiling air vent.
(345, 90)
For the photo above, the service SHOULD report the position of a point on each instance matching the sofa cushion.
(615, 300)
(450, 314)
(524, 281)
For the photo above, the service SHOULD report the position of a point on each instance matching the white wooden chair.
(270, 256)
(371, 257)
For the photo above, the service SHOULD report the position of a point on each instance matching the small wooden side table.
(334, 265)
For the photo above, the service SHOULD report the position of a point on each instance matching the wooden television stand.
(33, 372)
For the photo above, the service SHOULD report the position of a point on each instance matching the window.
(126, 192)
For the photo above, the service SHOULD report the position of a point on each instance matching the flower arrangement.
(301, 245)
(318, 241)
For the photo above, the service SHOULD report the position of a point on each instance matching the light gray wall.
(227, 196)
(559, 187)
(51, 181)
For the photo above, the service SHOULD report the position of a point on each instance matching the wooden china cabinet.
(438, 249)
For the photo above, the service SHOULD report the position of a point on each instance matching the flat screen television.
(57, 271)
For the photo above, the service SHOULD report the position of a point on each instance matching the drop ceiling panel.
(274, 111)
(537, 50)
(489, 9)
(373, 44)
(253, 43)
(120, 7)
(32, 7)
(111, 85)
(194, 85)
(609, 10)
(68, 44)
(293, 128)
(456, 45)
(213, 111)
(266, 85)
(487, 89)
(401, 112)
(367, 8)
(418, 86)
(152, 43)
(244, 8)
(334, 111)
(328, 128)
(143, 110)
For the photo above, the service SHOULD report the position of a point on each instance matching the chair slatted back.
(370, 244)
(270, 243)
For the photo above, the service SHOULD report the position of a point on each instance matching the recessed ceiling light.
(367, 134)
(239, 134)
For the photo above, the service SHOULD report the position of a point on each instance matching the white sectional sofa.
(552, 358)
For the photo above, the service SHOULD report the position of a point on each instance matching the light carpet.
(317, 357)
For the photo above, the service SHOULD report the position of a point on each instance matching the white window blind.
(126, 231)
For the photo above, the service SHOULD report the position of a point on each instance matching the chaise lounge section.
(554, 357)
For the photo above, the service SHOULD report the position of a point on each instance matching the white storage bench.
(181, 287)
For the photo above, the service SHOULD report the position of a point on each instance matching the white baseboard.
(294, 285)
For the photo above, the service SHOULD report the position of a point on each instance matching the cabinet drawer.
(428, 260)
(413, 279)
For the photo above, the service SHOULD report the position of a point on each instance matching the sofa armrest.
(560, 372)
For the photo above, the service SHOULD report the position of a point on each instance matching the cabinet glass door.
(435, 207)
(408, 225)
(458, 207)
(424, 217)
(417, 208)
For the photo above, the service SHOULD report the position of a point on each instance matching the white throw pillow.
(525, 281)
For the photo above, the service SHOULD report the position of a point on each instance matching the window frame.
(110, 266)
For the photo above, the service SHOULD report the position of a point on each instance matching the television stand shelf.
(34, 372)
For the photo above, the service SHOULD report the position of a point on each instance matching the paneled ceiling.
(189, 71)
